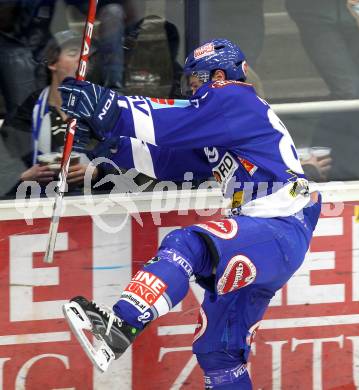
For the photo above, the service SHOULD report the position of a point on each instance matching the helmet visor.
(192, 81)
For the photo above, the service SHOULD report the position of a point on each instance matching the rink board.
(309, 338)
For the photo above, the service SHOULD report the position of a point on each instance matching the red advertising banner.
(309, 338)
(36, 348)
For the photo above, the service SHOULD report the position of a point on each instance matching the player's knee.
(191, 246)
(224, 370)
(184, 240)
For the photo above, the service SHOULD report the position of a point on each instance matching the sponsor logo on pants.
(240, 272)
(176, 258)
(223, 228)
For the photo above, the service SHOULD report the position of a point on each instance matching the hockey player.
(224, 129)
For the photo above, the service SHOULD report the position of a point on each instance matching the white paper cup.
(49, 158)
(303, 154)
(320, 151)
(53, 159)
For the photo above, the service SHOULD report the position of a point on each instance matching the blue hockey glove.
(91, 104)
(81, 138)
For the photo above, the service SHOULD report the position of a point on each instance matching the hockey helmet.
(216, 54)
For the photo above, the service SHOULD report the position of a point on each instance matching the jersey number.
(286, 144)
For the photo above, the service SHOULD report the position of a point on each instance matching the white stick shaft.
(50, 248)
(56, 213)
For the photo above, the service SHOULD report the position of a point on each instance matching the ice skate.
(114, 334)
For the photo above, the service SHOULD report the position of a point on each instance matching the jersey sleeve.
(194, 123)
(161, 163)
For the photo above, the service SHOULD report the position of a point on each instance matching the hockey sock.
(164, 280)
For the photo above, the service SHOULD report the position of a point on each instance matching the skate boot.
(114, 334)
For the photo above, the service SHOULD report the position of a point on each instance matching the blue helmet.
(216, 54)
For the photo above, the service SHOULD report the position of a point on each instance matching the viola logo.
(223, 228)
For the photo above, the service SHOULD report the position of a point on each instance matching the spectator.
(24, 32)
(145, 74)
(40, 122)
(339, 131)
(330, 36)
(114, 16)
(243, 20)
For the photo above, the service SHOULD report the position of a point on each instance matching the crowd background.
(303, 55)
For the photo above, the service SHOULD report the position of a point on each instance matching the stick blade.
(51, 241)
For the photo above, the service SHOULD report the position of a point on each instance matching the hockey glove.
(81, 138)
(92, 104)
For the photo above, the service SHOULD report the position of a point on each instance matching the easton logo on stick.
(85, 51)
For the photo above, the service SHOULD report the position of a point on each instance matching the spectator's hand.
(91, 104)
(350, 4)
(41, 174)
(322, 165)
(77, 173)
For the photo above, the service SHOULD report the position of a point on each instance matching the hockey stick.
(70, 132)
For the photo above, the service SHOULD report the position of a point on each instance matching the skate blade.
(78, 321)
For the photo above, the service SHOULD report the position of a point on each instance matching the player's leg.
(224, 335)
(157, 287)
(164, 280)
(258, 256)
(219, 352)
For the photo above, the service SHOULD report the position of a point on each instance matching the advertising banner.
(308, 339)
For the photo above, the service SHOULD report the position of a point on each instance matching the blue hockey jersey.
(225, 130)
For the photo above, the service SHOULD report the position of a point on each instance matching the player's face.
(194, 83)
(67, 63)
(191, 83)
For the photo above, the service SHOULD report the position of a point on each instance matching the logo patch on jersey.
(223, 228)
(204, 51)
(169, 102)
(224, 171)
(240, 272)
(212, 154)
(248, 166)
(144, 290)
(237, 199)
(201, 325)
